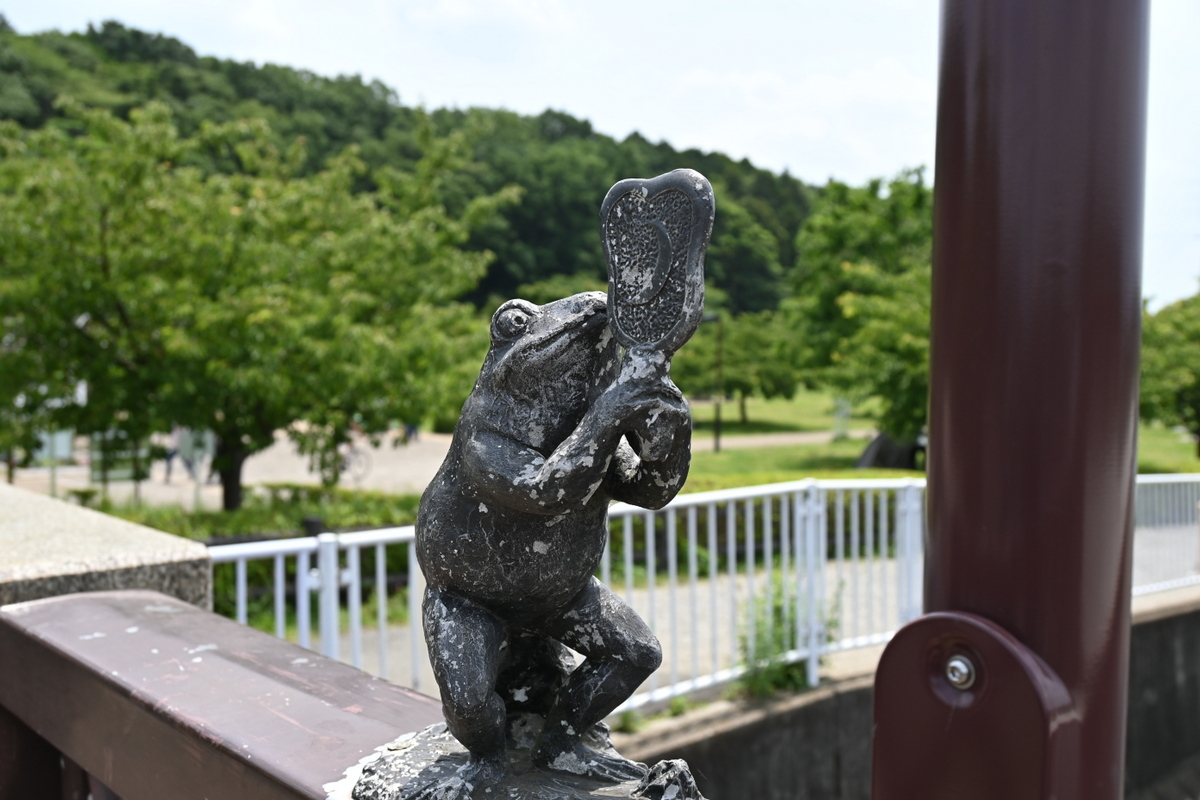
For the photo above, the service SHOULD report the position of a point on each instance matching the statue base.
(434, 755)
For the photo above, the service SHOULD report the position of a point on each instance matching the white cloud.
(543, 16)
(867, 121)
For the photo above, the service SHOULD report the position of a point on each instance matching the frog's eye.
(511, 322)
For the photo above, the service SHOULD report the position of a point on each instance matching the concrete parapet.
(1164, 688)
(810, 746)
(817, 745)
(50, 547)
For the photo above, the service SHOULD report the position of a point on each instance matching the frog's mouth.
(553, 343)
(577, 341)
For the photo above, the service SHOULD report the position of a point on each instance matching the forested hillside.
(285, 189)
(561, 164)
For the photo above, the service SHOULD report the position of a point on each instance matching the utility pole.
(720, 383)
(719, 366)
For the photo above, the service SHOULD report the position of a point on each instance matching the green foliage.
(562, 164)
(1171, 366)
(678, 706)
(768, 669)
(629, 722)
(128, 44)
(558, 286)
(756, 359)
(888, 227)
(277, 510)
(744, 259)
(887, 356)
(861, 294)
(242, 301)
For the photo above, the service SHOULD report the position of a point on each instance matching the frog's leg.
(535, 669)
(464, 642)
(621, 653)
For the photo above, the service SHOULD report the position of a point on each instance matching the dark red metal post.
(1033, 410)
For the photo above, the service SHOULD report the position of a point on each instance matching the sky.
(823, 89)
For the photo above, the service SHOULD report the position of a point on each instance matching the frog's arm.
(520, 478)
(650, 484)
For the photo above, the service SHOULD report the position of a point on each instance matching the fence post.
(903, 534)
(814, 557)
(800, 569)
(327, 566)
(415, 593)
(908, 553)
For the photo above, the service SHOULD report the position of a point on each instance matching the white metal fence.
(787, 571)
(1166, 541)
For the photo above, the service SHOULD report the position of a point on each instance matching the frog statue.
(512, 529)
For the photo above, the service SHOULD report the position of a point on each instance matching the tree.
(889, 227)
(744, 260)
(22, 415)
(861, 302)
(245, 301)
(755, 359)
(1171, 366)
(887, 356)
(564, 165)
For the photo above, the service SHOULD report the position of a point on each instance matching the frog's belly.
(512, 560)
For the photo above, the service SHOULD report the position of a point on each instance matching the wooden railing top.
(159, 699)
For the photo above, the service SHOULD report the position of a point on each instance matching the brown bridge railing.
(141, 696)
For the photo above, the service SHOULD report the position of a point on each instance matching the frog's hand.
(651, 367)
(650, 484)
(520, 478)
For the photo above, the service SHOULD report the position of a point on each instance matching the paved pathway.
(400, 468)
(394, 467)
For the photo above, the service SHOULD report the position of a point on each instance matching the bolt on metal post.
(960, 672)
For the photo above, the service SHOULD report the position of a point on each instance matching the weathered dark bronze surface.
(512, 528)
(433, 757)
(1033, 407)
(159, 699)
(655, 233)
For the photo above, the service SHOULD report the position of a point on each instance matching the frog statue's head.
(554, 359)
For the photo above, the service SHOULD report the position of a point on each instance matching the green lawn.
(807, 411)
(733, 468)
(1163, 450)
(278, 512)
(1159, 449)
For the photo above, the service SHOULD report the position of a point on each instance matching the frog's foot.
(468, 778)
(575, 759)
(668, 780)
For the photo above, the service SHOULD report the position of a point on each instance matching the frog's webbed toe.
(459, 786)
(580, 760)
(452, 788)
